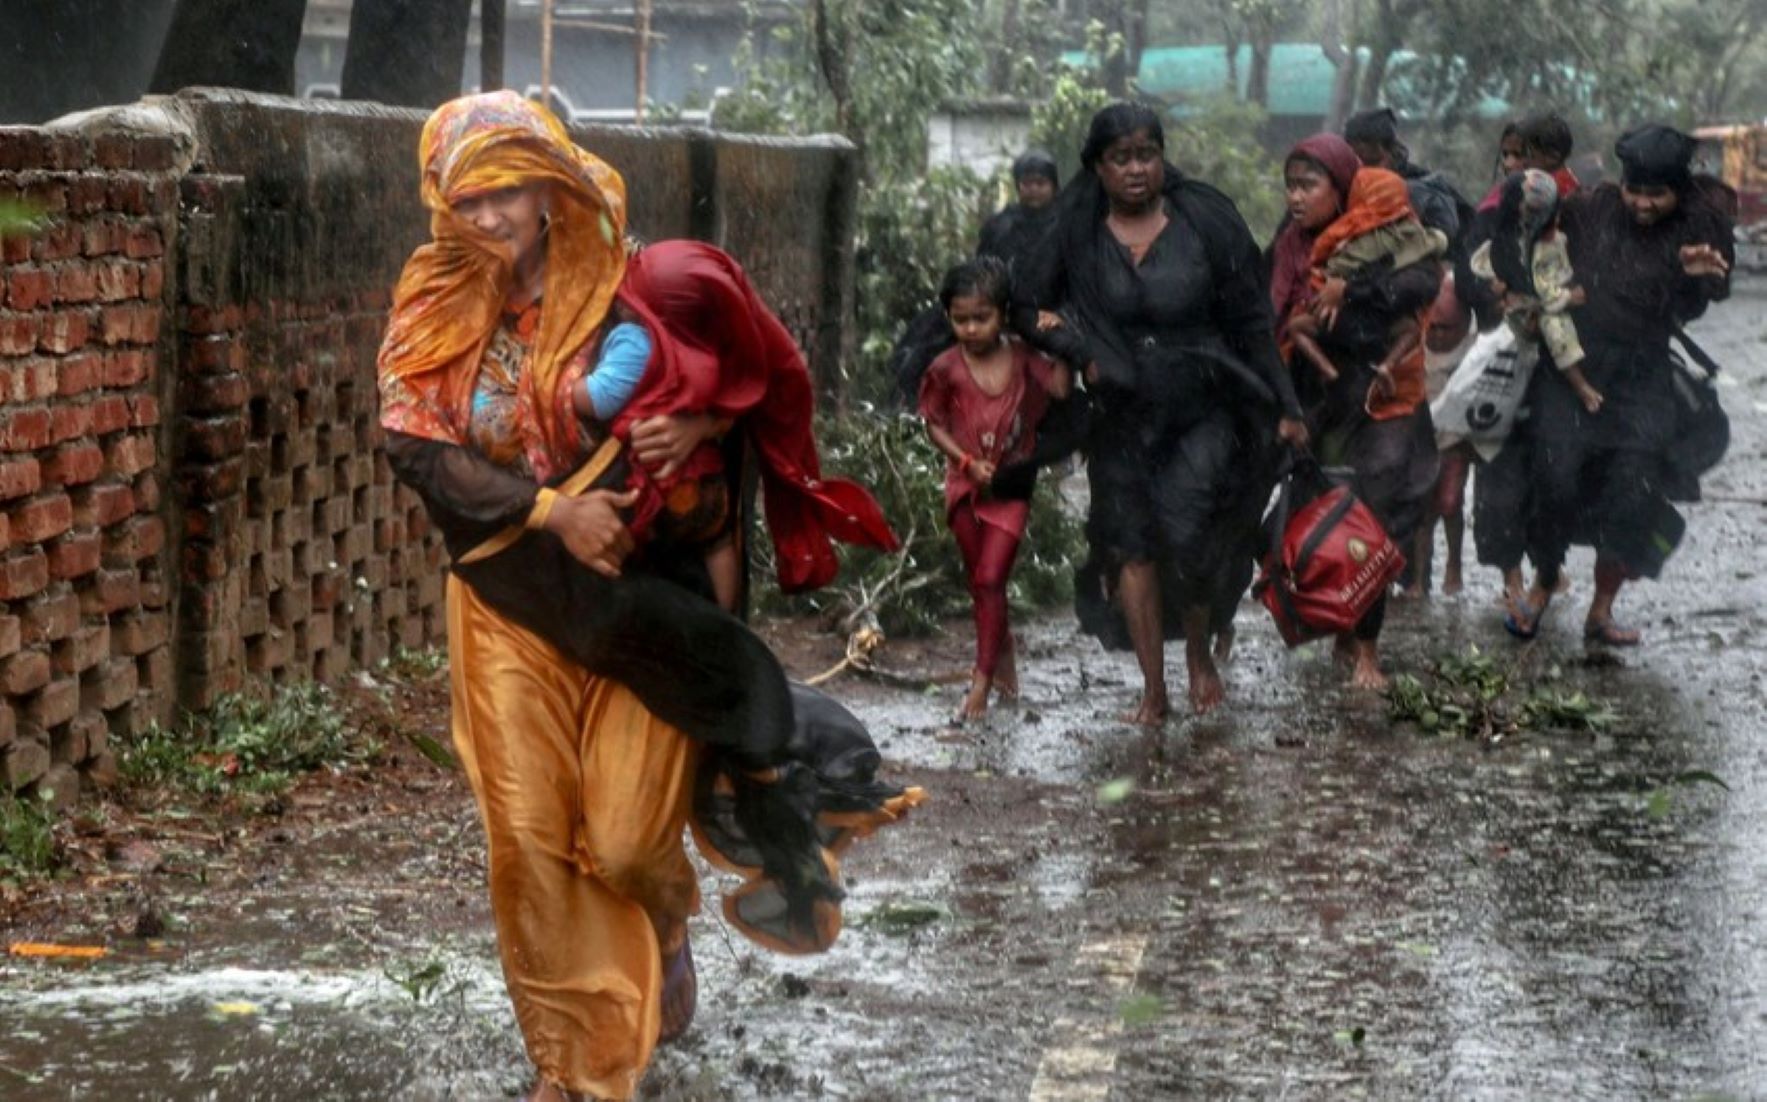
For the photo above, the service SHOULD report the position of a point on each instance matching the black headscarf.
(1509, 261)
(1035, 162)
(1653, 155)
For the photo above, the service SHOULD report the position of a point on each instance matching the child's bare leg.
(725, 567)
(1006, 669)
(1454, 527)
(1302, 335)
(1407, 338)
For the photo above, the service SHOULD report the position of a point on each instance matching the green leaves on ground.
(249, 744)
(1661, 801)
(27, 836)
(1139, 1010)
(1473, 695)
(901, 917)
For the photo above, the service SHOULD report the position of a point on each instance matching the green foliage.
(913, 590)
(1216, 142)
(19, 218)
(1059, 123)
(27, 837)
(1472, 695)
(249, 744)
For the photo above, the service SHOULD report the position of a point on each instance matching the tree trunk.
(1116, 61)
(1374, 78)
(1257, 86)
(247, 44)
(410, 53)
(1000, 70)
(832, 59)
(1343, 63)
(491, 22)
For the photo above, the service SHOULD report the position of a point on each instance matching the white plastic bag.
(1485, 393)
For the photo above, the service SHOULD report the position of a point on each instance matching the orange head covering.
(1377, 198)
(451, 294)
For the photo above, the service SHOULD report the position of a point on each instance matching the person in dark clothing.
(1652, 253)
(1016, 231)
(1374, 135)
(1162, 306)
(1377, 424)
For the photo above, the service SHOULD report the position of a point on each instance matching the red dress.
(1000, 428)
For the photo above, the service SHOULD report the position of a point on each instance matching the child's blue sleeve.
(623, 356)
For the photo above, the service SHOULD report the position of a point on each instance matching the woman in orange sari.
(599, 708)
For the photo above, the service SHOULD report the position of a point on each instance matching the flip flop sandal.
(1514, 626)
(1610, 634)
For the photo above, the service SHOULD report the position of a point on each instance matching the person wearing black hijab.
(1161, 295)
(1650, 254)
(1016, 231)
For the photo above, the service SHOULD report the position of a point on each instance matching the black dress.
(1182, 447)
(1603, 478)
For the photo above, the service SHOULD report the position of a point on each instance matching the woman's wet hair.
(1548, 132)
(1035, 162)
(1376, 126)
(984, 277)
(1118, 121)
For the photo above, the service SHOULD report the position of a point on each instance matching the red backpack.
(1331, 560)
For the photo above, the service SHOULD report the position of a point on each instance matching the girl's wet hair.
(1548, 132)
(1120, 120)
(983, 277)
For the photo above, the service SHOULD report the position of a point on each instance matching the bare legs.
(1139, 592)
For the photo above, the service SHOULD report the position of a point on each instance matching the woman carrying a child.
(1158, 289)
(522, 353)
(1644, 257)
(1352, 275)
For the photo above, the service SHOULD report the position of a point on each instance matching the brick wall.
(192, 488)
(85, 584)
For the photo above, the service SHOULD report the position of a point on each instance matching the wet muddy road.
(1292, 898)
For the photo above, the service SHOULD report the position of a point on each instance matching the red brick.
(129, 195)
(25, 672)
(55, 704)
(29, 380)
(147, 493)
(204, 321)
(214, 437)
(214, 354)
(213, 481)
(143, 241)
(216, 393)
(67, 151)
(135, 633)
(153, 279)
(204, 562)
(124, 368)
(50, 618)
(64, 332)
(154, 591)
(77, 374)
(23, 574)
(118, 280)
(144, 411)
(110, 414)
(111, 684)
(127, 455)
(29, 288)
(10, 639)
(113, 150)
(24, 430)
(103, 236)
(137, 538)
(15, 248)
(61, 241)
(74, 464)
(155, 153)
(102, 505)
(116, 324)
(74, 555)
(77, 283)
(42, 518)
(87, 193)
(19, 476)
(82, 650)
(111, 591)
(68, 420)
(46, 194)
(18, 334)
(22, 147)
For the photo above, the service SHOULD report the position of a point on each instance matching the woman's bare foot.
(680, 994)
(1206, 690)
(1224, 645)
(1452, 583)
(1414, 592)
(1343, 650)
(975, 702)
(1152, 711)
(1006, 672)
(1367, 673)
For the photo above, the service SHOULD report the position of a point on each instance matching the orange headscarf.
(451, 294)
(1378, 197)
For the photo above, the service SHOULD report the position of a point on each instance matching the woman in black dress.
(1650, 254)
(1158, 297)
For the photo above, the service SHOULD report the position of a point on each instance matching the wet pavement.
(1293, 898)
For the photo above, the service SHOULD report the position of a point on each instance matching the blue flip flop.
(1514, 626)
